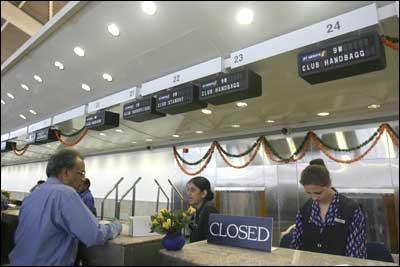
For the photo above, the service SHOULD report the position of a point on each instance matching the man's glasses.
(81, 173)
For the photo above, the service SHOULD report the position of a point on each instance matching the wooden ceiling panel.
(38, 10)
(12, 38)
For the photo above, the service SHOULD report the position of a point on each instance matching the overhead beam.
(20, 5)
(51, 9)
(19, 18)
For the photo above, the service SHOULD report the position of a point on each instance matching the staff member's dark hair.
(62, 159)
(203, 184)
(316, 174)
(86, 182)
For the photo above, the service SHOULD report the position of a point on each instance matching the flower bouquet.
(171, 223)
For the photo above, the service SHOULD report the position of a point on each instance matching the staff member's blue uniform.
(52, 220)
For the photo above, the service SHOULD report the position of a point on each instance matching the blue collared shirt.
(51, 221)
(88, 199)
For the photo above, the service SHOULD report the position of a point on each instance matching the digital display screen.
(343, 58)
(179, 100)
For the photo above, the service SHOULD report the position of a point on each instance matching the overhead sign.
(40, 125)
(102, 120)
(47, 135)
(351, 21)
(141, 110)
(31, 138)
(17, 133)
(183, 76)
(73, 113)
(343, 57)
(112, 100)
(230, 87)
(5, 137)
(179, 100)
(240, 231)
(7, 146)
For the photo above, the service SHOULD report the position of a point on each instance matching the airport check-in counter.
(124, 250)
(202, 253)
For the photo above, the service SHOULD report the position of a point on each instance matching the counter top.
(11, 212)
(202, 253)
(125, 240)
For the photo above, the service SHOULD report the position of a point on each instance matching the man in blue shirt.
(87, 196)
(53, 218)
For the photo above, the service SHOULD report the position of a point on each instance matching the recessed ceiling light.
(10, 95)
(244, 16)
(176, 135)
(59, 65)
(37, 78)
(107, 77)
(149, 7)
(241, 104)
(323, 114)
(79, 51)
(113, 29)
(199, 132)
(119, 131)
(24, 86)
(235, 126)
(149, 140)
(32, 111)
(3, 102)
(374, 106)
(206, 111)
(270, 121)
(85, 87)
(133, 142)
(22, 116)
(102, 134)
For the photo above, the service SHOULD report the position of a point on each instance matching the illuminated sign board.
(102, 120)
(342, 58)
(46, 135)
(31, 138)
(179, 100)
(7, 146)
(141, 110)
(230, 87)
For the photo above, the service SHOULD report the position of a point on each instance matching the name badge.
(340, 221)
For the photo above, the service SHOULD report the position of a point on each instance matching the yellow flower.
(155, 221)
(191, 210)
(166, 225)
(184, 215)
(163, 211)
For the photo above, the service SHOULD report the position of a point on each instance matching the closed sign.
(239, 231)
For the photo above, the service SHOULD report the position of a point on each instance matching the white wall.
(104, 171)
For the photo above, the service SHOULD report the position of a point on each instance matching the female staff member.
(200, 196)
(328, 222)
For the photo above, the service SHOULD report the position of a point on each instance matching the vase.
(173, 241)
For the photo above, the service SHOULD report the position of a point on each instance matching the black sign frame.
(342, 57)
(8, 146)
(141, 110)
(102, 120)
(230, 87)
(180, 99)
(46, 135)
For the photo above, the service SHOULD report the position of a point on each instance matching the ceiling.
(22, 19)
(178, 36)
